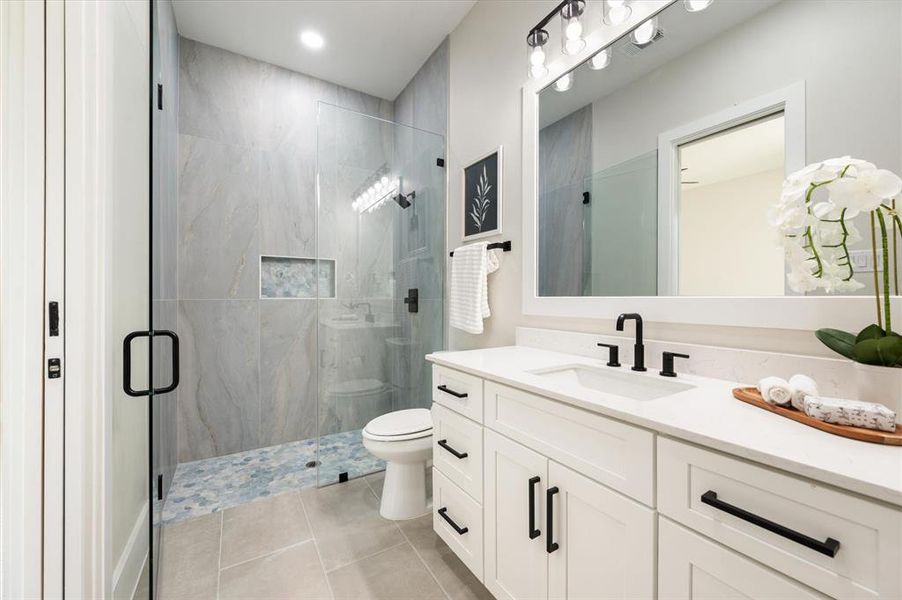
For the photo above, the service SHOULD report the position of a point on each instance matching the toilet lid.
(401, 422)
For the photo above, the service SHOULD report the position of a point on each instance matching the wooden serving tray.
(753, 397)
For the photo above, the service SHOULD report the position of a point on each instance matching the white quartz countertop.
(707, 415)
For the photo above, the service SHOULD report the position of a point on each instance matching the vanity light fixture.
(600, 60)
(616, 11)
(535, 40)
(572, 41)
(645, 33)
(564, 82)
(697, 5)
(312, 39)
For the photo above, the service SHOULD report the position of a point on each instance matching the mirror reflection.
(660, 157)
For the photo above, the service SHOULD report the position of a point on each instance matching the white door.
(516, 563)
(691, 566)
(605, 541)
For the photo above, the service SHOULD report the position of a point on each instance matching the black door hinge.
(160, 486)
(54, 368)
(440, 162)
(413, 300)
(343, 477)
(587, 197)
(53, 315)
(159, 96)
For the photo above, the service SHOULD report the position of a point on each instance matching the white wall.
(727, 246)
(488, 68)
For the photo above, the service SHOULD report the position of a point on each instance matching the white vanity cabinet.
(562, 502)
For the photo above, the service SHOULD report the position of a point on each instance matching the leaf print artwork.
(481, 202)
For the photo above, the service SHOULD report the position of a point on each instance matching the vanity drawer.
(457, 519)
(761, 512)
(457, 449)
(613, 453)
(458, 391)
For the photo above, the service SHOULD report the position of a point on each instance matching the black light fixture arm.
(539, 28)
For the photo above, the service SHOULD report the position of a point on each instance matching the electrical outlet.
(863, 261)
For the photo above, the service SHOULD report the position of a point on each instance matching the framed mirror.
(652, 159)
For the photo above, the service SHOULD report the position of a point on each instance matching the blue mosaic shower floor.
(214, 484)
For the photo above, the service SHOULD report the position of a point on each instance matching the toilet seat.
(400, 425)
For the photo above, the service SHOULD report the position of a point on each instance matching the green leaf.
(841, 342)
(885, 351)
(871, 332)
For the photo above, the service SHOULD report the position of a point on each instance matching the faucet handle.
(613, 354)
(667, 367)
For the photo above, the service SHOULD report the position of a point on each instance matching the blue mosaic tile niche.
(290, 277)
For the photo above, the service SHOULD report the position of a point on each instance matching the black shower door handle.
(127, 362)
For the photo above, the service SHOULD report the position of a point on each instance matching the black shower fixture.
(404, 201)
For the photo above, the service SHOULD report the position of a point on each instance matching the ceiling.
(373, 46)
(753, 148)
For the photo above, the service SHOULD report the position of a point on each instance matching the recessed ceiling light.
(312, 39)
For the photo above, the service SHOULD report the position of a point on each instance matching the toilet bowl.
(403, 439)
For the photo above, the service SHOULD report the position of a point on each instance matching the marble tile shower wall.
(247, 164)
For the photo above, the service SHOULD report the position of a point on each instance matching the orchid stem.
(876, 284)
(885, 244)
(895, 247)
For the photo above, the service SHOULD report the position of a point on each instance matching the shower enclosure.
(380, 245)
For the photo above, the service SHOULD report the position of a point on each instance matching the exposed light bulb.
(645, 32)
(312, 39)
(600, 60)
(573, 30)
(537, 72)
(564, 82)
(696, 5)
(537, 57)
(618, 12)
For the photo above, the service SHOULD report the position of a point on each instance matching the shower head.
(404, 201)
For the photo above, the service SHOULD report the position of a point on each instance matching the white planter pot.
(882, 385)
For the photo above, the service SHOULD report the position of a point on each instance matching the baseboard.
(131, 561)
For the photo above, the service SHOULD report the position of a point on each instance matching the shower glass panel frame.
(380, 231)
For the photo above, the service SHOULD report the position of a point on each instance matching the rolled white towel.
(775, 390)
(851, 412)
(802, 386)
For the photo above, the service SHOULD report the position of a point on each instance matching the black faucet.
(639, 347)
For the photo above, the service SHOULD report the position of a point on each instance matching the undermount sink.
(610, 381)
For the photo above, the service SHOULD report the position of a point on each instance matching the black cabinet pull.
(127, 361)
(443, 513)
(828, 547)
(444, 388)
(550, 545)
(533, 532)
(444, 444)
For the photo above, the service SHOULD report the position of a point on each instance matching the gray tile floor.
(324, 543)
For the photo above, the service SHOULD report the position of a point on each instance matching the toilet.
(403, 439)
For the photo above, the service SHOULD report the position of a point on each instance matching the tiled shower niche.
(296, 277)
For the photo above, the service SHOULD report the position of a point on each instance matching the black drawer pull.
(442, 512)
(444, 388)
(828, 547)
(550, 546)
(533, 532)
(444, 444)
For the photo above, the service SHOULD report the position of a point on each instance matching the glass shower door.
(380, 245)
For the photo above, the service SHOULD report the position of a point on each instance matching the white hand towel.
(775, 390)
(470, 268)
(802, 386)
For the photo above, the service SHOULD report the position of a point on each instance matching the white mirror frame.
(789, 312)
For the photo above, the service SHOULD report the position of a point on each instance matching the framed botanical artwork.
(482, 196)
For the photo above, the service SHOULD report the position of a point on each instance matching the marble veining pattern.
(289, 277)
(212, 485)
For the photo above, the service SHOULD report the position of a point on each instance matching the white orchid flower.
(865, 192)
(802, 281)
